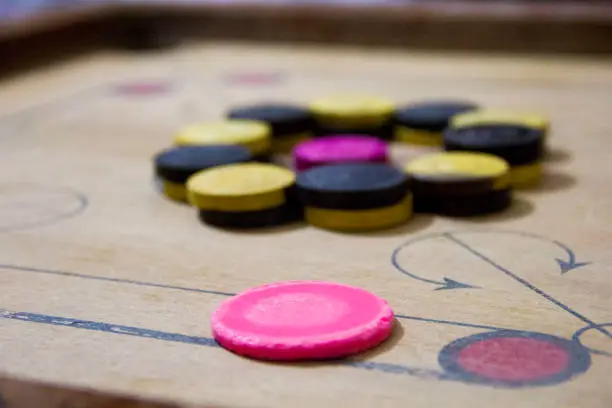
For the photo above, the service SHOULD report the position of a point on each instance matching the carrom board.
(107, 287)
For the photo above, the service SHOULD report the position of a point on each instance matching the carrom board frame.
(540, 26)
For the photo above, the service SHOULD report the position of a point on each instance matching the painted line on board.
(527, 284)
(209, 292)
(451, 322)
(107, 328)
(114, 280)
(388, 368)
(201, 341)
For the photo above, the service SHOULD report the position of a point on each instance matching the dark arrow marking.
(527, 284)
(445, 284)
(565, 265)
(453, 284)
(571, 263)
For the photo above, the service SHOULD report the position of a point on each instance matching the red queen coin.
(300, 320)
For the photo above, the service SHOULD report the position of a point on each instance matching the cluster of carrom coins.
(341, 177)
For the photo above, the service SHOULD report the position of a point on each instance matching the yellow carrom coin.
(423, 123)
(458, 173)
(460, 183)
(285, 144)
(240, 187)
(360, 220)
(252, 134)
(501, 117)
(174, 191)
(526, 175)
(352, 110)
(418, 136)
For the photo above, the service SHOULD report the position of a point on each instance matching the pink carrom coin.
(300, 320)
(339, 149)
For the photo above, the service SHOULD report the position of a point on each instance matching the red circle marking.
(254, 78)
(302, 320)
(143, 88)
(513, 359)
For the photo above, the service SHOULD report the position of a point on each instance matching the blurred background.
(550, 26)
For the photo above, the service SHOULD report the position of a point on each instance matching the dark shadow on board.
(556, 155)
(278, 229)
(396, 336)
(159, 189)
(553, 181)
(519, 208)
(417, 223)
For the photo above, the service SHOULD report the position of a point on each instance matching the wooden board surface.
(107, 286)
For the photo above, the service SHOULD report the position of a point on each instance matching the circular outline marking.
(579, 358)
(79, 198)
(433, 235)
(576, 337)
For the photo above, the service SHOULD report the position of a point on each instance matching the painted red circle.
(513, 359)
(143, 88)
(254, 78)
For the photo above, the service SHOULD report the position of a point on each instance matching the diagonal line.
(116, 280)
(450, 322)
(527, 284)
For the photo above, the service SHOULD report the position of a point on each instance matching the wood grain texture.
(106, 286)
